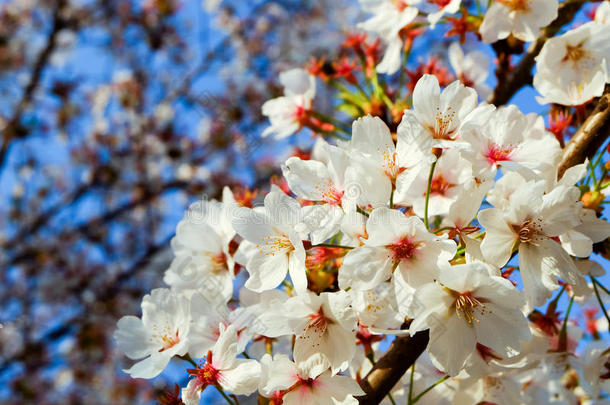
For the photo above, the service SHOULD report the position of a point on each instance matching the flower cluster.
(414, 220)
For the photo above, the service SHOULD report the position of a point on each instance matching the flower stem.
(599, 300)
(563, 335)
(224, 395)
(600, 285)
(410, 399)
(188, 358)
(430, 176)
(424, 392)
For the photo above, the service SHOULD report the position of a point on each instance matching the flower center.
(516, 5)
(465, 303)
(206, 374)
(330, 194)
(300, 114)
(391, 166)
(403, 249)
(442, 124)
(318, 321)
(440, 185)
(218, 261)
(529, 231)
(497, 154)
(575, 53)
(169, 341)
(274, 244)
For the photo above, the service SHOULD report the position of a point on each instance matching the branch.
(30, 252)
(521, 75)
(589, 137)
(391, 367)
(13, 127)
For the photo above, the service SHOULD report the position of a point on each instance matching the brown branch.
(589, 137)
(392, 366)
(521, 75)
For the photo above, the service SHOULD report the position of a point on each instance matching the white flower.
(573, 68)
(377, 308)
(201, 246)
(222, 367)
(451, 173)
(390, 16)
(472, 69)
(207, 313)
(521, 18)
(378, 164)
(465, 208)
(325, 326)
(544, 385)
(159, 335)
(397, 246)
(324, 183)
(300, 384)
(591, 366)
(579, 240)
(438, 118)
(279, 245)
(465, 307)
(530, 223)
(286, 113)
(512, 141)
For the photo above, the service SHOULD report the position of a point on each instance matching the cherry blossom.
(278, 244)
(521, 18)
(159, 335)
(531, 224)
(305, 384)
(438, 119)
(465, 306)
(223, 368)
(472, 69)
(573, 68)
(202, 248)
(397, 246)
(287, 113)
(325, 326)
(390, 16)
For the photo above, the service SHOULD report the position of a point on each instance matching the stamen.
(465, 303)
(330, 194)
(497, 154)
(529, 231)
(275, 244)
(442, 125)
(169, 341)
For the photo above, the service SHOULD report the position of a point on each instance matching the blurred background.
(115, 116)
